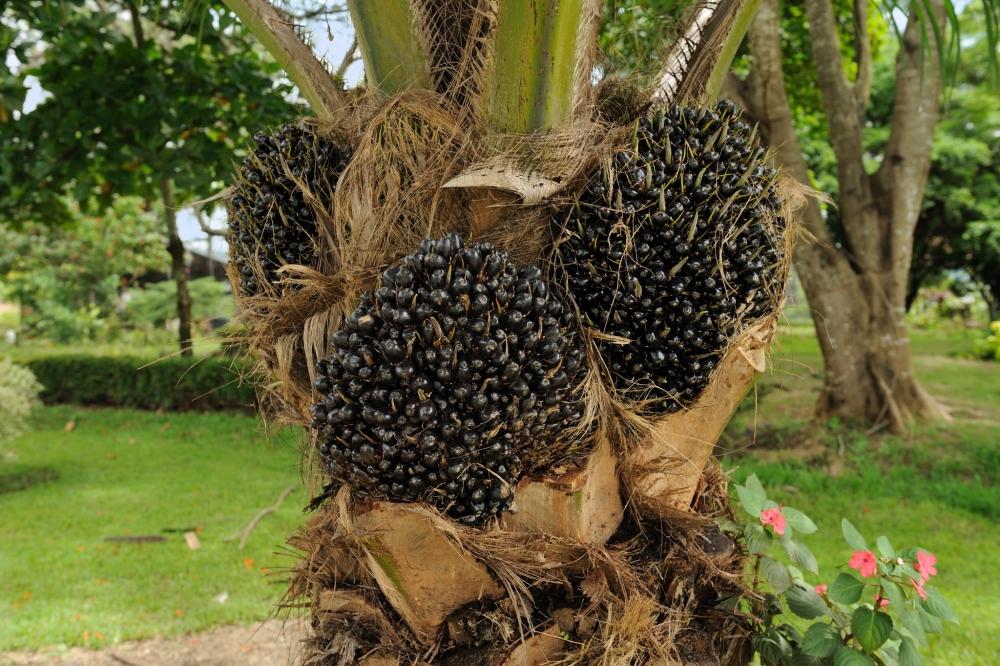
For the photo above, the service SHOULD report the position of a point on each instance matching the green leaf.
(726, 525)
(758, 539)
(936, 605)
(910, 571)
(769, 650)
(913, 623)
(822, 640)
(932, 625)
(803, 659)
(845, 589)
(908, 654)
(798, 520)
(885, 548)
(871, 628)
(895, 595)
(889, 655)
(850, 657)
(805, 603)
(752, 496)
(801, 555)
(776, 574)
(795, 573)
(854, 538)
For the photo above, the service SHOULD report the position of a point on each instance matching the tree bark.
(857, 295)
(175, 246)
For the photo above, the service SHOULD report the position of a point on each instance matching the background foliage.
(18, 396)
(178, 100)
(154, 305)
(67, 279)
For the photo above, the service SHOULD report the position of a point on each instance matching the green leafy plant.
(881, 618)
(18, 396)
(988, 348)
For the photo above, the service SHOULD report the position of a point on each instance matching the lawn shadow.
(23, 477)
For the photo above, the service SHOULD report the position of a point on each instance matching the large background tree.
(151, 98)
(855, 272)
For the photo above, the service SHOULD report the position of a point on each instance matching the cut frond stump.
(666, 469)
(422, 571)
(579, 500)
(546, 647)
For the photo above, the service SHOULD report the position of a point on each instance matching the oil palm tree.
(478, 117)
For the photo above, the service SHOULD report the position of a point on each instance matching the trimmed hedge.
(175, 383)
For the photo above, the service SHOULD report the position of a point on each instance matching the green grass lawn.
(122, 472)
(937, 487)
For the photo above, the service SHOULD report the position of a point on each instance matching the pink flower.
(925, 565)
(920, 589)
(773, 518)
(864, 561)
(821, 589)
(881, 603)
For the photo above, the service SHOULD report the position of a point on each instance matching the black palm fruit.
(676, 248)
(448, 381)
(271, 221)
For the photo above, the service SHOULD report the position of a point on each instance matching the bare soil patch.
(269, 643)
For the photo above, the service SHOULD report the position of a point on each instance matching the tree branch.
(902, 176)
(841, 109)
(242, 536)
(274, 29)
(764, 91)
(200, 216)
(863, 58)
(322, 10)
(838, 101)
(350, 58)
(697, 63)
(140, 38)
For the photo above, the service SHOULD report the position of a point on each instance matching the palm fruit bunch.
(448, 381)
(271, 220)
(676, 248)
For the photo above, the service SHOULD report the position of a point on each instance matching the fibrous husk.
(652, 595)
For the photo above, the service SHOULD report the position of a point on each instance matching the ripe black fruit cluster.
(678, 251)
(448, 380)
(271, 221)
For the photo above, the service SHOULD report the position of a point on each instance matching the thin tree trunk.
(858, 306)
(175, 246)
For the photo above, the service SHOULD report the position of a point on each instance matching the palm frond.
(695, 64)
(949, 35)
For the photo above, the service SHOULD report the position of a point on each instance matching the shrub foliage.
(18, 395)
(175, 383)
